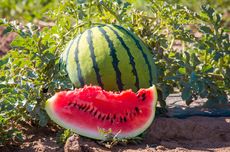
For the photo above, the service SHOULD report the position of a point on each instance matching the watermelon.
(93, 112)
(111, 57)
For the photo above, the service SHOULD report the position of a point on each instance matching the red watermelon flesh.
(90, 111)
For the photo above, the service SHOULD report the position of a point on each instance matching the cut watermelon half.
(96, 113)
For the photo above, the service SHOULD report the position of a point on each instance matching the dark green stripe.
(114, 58)
(93, 57)
(68, 50)
(141, 49)
(81, 80)
(131, 58)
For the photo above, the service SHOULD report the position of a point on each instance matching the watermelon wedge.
(95, 113)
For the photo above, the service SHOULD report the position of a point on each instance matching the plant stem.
(216, 76)
(171, 44)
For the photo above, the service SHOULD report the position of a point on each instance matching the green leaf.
(208, 10)
(31, 74)
(207, 68)
(19, 136)
(43, 118)
(3, 61)
(186, 93)
(30, 107)
(182, 70)
(205, 29)
(217, 56)
(193, 77)
(2, 85)
(204, 94)
(7, 30)
(218, 19)
(166, 91)
(2, 21)
(195, 60)
(201, 86)
(187, 57)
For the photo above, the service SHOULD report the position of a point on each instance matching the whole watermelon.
(109, 56)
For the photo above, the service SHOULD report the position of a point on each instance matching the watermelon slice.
(93, 112)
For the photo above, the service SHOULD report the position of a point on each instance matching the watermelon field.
(114, 75)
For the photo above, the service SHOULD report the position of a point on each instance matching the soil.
(5, 40)
(165, 134)
(170, 132)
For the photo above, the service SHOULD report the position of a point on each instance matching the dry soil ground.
(167, 133)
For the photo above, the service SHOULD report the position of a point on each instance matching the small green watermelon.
(93, 112)
(111, 57)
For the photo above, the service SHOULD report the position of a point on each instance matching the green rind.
(97, 135)
(85, 62)
(144, 52)
(127, 76)
(112, 72)
(140, 63)
(104, 61)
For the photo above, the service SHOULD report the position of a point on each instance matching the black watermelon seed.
(143, 97)
(121, 120)
(84, 106)
(111, 121)
(103, 118)
(74, 105)
(99, 116)
(91, 110)
(137, 109)
(87, 108)
(79, 107)
(114, 116)
(107, 118)
(125, 119)
(95, 113)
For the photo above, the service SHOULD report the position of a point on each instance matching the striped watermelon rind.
(109, 56)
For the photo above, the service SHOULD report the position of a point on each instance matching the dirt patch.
(170, 134)
(36, 139)
(193, 132)
(165, 134)
(5, 40)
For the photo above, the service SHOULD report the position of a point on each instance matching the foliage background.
(30, 74)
